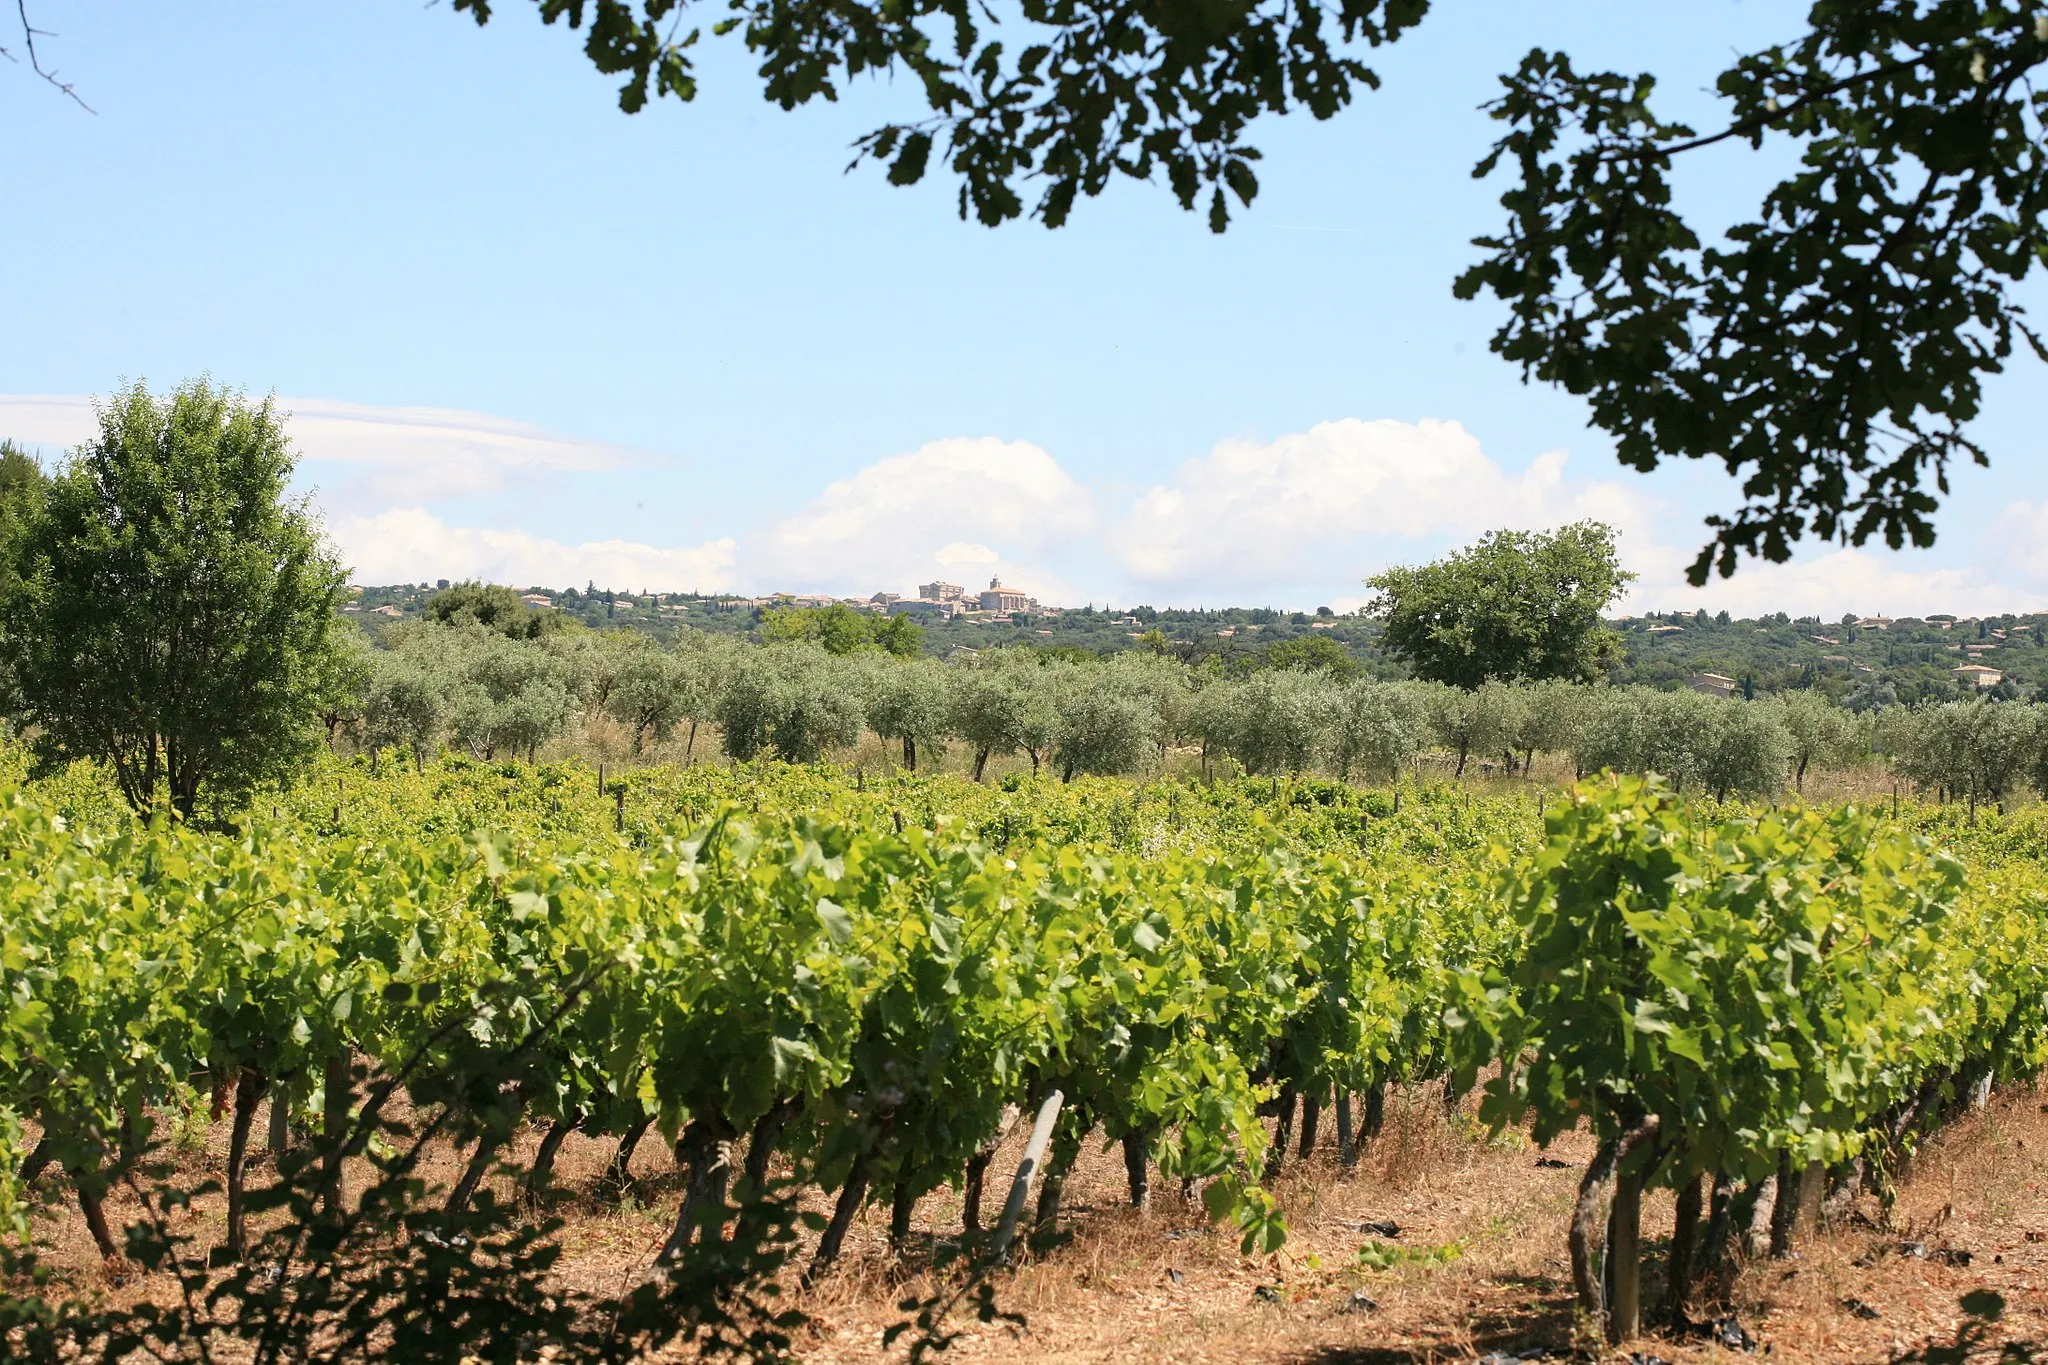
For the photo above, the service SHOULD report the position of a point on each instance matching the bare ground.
(1483, 1268)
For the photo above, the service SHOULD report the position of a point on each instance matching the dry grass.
(1482, 1220)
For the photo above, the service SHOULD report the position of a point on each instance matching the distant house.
(536, 599)
(927, 608)
(388, 610)
(939, 592)
(1824, 639)
(1665, 630)
(1875, 623)
(1000, 598)
(1713, 684)
(885, 600)
(1983, 675)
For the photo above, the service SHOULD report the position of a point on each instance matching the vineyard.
(851, 990)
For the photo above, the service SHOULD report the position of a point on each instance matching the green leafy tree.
(1313, 654)
(22, 486)
(1742, 750)
(988, 711)
(1518, 604)
(494, 607)
(1483, 720)
(1105, 725)
(842, 630)
(175, 612)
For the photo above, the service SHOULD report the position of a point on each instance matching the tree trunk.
(851, 1196)
(980, 761)
(1375, 1110)
(618, 1175)
(1311, 1116)
(1603, 1171)
(338, 1091)
(36, 1162)
(701, 1152)
(86, 1183)
(910, 753)
(1138, 1166)
(1283, 1131)
(1054, 1187)
(1347, 1141)
(1785, 1208)
(473, 1174)
(902, 1206)
(1585, 1239)
(1684, 1237)
(1464, 751)
(544, 1159)
(763, 1141)
(1714, 1247)
(1762, 1198)
(248, 1092)
(971, 1187)
(280, 1134)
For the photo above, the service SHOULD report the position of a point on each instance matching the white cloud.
(384, 456)
(53, 421)
(1830, 585)
(953, 507)
(1305, 516)
(410, 544)
(1333, 503)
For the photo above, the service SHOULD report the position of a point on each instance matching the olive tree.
(793, 700)
(511, 695)
(1376, 728)
(991, 707)
(910, 702)
(641, 686)
(1105, 725)
(1548, 718)
(1480, 720)
(1278, 720)
(1821, 732)
(405, 703)
(171, 610)
(1974, 749)
(1741, 749)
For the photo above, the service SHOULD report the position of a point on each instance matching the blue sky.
(528, 337)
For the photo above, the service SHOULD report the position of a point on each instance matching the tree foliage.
(174, 610)
(494, 607)
(1517, 604)
(1830, 351)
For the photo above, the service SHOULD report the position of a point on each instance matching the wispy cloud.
(410, 544)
